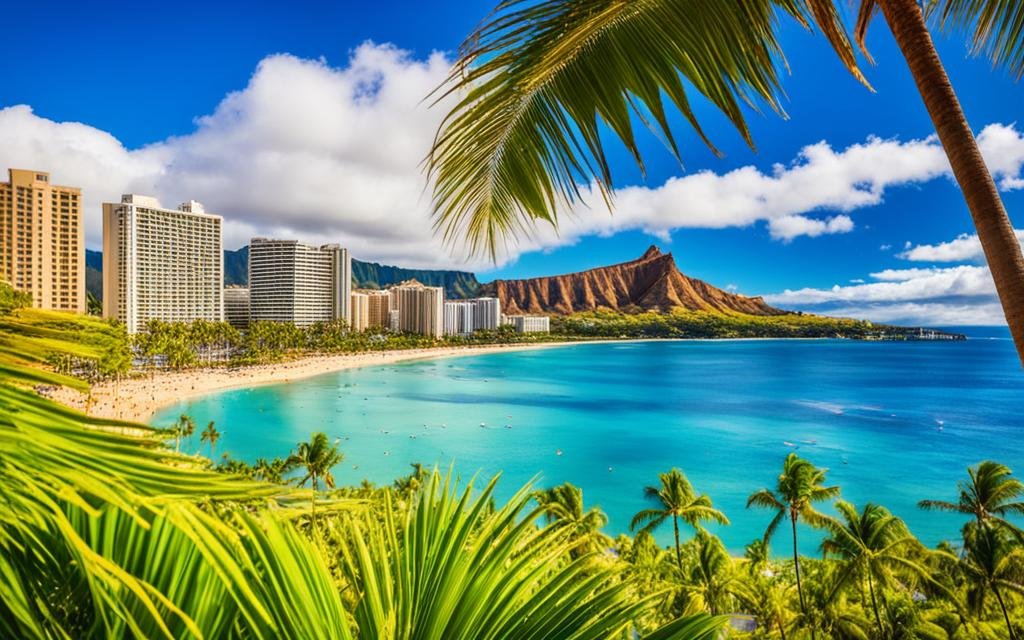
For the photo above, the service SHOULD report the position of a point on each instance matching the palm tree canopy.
(799, 486)
(539, 83)
(676, 497)
(563, 507)
(210, 434)
(317, 456)
(992, 559)
(990, 492)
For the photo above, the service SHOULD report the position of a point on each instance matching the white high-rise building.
(161, 264)
(293, 282)
(528, 324)
(458, 317)
(463, 317)
(487, 313)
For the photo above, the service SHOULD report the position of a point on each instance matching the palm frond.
(996, 28)
(455, 569)
(537, 83)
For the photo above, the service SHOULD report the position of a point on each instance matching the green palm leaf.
(453, 568)
(996, 28)
(540, 85)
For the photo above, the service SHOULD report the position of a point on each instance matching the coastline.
(137, 399)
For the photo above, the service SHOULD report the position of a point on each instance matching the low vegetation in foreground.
(112, 529)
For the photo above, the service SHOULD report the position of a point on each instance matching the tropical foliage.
(105, 532)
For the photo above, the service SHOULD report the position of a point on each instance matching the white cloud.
(928, 314)
(328, 153)
(1003, 148)
(962, 294)
(897, 286)
(963, 248)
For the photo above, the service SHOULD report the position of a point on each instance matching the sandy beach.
(136, 399)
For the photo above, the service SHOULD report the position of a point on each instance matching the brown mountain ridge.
(652, 282)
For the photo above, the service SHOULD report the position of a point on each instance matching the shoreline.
(138, 398)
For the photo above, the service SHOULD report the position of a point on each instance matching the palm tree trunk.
(679, 550)
(999, 597)
(874, 605)
(799, 583)
(312, 504)
(1002, 250)
(796, 564)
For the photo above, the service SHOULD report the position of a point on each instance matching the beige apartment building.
(420, 308)
(161, 264)
(379, 304)
(360, 311)
(42, 240)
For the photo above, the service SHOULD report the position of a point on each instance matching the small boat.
(558, 452)
(788, 443)
(483, 424)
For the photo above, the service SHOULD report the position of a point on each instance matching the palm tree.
(211, 435)
(183, 428)
(272, 470)
(676, 499)
(829, 610)
(539, 85)
(711, 579)
(800, 485)
(563, 508)
(989, 495)
(992, 563)
(873, 545)
(408, 485)
(317, 457)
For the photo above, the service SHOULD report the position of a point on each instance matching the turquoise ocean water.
(892, 422)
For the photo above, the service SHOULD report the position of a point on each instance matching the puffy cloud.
(963, 248)
(928, 314)
(898, 286)
(962, 295)
(327, 153)
(1003, 148)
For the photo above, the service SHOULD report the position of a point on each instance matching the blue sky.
(148, 82)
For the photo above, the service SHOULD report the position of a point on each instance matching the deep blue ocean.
(893, 422)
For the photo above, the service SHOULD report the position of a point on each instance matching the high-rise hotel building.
(378, 307)
(293, 282)
(42, 240)
(236, 306)
(161, 264)
(360, 311)
(463, 317)
(420, 308)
